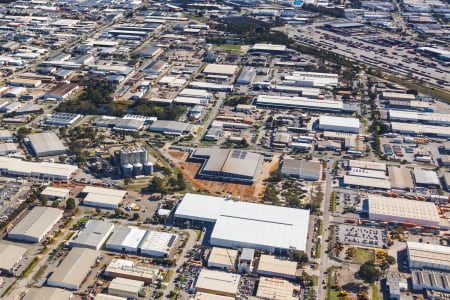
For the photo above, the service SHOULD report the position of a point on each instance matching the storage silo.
(137, 169)
(127, 170)
(148, 168)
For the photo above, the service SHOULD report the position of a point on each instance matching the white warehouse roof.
(47, 293)
(243, 224)
(10, 255)
(36, 224)
(54, 192)
(157, 243)
(127, 238)
(94, 235)
(102, 197)
(428, 255)
(339, 123)
(17, 167)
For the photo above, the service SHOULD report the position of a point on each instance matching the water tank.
(127, 170)
(148, 168)
(137, 169)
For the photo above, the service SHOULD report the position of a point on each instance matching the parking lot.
(365, 236)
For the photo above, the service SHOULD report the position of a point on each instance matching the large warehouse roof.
(74, 268)
(10, 255)
(94, 235)
(400, 178)
(14, 166)
(220, 69)
(268, 48)
(36, 224)
(102, 197)
(46, 143)
(55, 192)
(248, 223)
(126, 237)
(305, 169)
(426, 177)
(157, 243)
(332, 121)
(302, 102)
(429, 253)
(268, 264)
(399, 209)
(371, 165)
(275, 289)
(410, 128)
(372, 183)
(225, 283)
(47, 293)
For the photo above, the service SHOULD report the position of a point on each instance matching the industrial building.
(339, 124)
(270, 266)
(158, 244)
(53, 193)
(428, 256)
(228, 165)
(206, 296)
(134, 162)
(10, 257)
(276, 289)
(426, 178)
(93, 236)
(108, 297)
(126, 239)
(36, 224)
(124, 287)
(401, 210)
(74, 268)
(8, 148)
(119, 124)
(46, 144)
(305, 103)
(369, 165)
(388, 96)
(216, 69)
(222, 258)
(395, 284)
(366, 183)
(47, 293)
(430, 280)
(246, 225)
(268, 48)
(217, 283)
(62, 119)
(247, 75)
(301, 169)
(130, 270)
(419, 117)
(400, 178)
(420, 129)
(41, 170)
(103, 197)
(171, 127)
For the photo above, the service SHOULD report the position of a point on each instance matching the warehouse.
(446, 180)
(420, 129)
(304, 103)
(366, 183)
(158, 244)
(108, 297)
(340, 124)
(15, 92)
(428, 256)
(127, 288)
(426, 178)
(367, 173)
(74, 268)
(24, 82)
(126, 239)
(270, 266)
(206, 296)
(61, 92)
(53, 193)
(8, 148)
(246, 225)
(401, 210)
(36, 224)
(388, 96)
(10, 257)
(247, 75)
(222, 258)
(369, 165)
(46, 144)
(130, 270)
(62, 119)
(47, 293)
(268, 48)
(301, 169)
(217, 283)
(216, 69)
(171, 127)
(301, 91)
(430, 280)
(211, 86)
(228, 165)
(419, 117)
(400, 178)
(42, 170)
(102, 197)
(276, 289)
(93, 236)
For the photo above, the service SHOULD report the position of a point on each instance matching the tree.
(135, 216)
(157, 186)
(299, 256)
(390, 259)
(368, 272)
(55, 204)
(276, 176)
(44, 200)
(127, 180)
(70, 204)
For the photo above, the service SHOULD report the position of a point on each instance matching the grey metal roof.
(301, 168)
(37, 222)
(94, 233)
(46, 141)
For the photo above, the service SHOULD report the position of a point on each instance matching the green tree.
(157, 186)
(276, 176)
(43, 199)
(70, 204)
(369, 272)
(391, 260)
(299, 256)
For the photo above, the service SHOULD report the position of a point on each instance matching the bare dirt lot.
(251, 193)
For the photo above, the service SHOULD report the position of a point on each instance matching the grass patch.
(198, 234)
(319, 250)
(30, 268)
(9, 289)
(230, 48)
(320, 226)
(375, 293)
(39, 272)
(69, 236)
(333, 202)
(332, 294)
(168, 276)
(363, 255)
(315, 280)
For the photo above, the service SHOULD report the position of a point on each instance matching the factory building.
(426, 178)
(102, 197)
(62, 119)
(301, 169)
(428, 256)
(228, 165)
(41, 170)
(108, 297)
(268, 48)
(158, 244)
(36, 224)
(276, 289)
(400, 210)
(171, 127)
(47, 293)
(247, 75)
(46, 144)
(369, 165)
(10, 257)
(134, 162)
(121, 268)
(127, 288)
(222, 258)
(53, 193)
(71, 273)
(93, 236)
(126, 239)
(339, 124)
(305, 103)
(420, 129)
(246, 225)
(430, 280)
(216, 69)
(366, 183)
(217, 283)
(270, 266)
(400, 178)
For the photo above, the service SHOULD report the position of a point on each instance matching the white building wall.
(420, 222)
